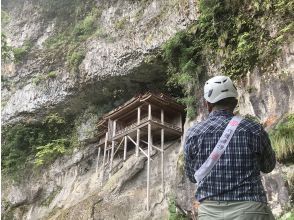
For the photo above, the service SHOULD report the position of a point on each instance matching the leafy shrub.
(22, 142)
(75, 59)
(85, 27)
(48, 153)
(173, 213)
(282, 138)
(20, 53)
(6, 50)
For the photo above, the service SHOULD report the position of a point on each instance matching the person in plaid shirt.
(233, 188)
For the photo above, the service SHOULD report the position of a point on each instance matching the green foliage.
(20, 53)
(87, 26)
(48, 153)
(6, 50)
(225, 36)
(287, 216)
(78, 30)
(42, 142)
(39, 78)
(173, 213)
(282, 138)
(52, 74)
(74, 60)
(5, 18)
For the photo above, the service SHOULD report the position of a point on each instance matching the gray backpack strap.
(218, 150)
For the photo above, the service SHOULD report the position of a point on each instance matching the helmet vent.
(210, 92)
(225, 90)
(225, 80)
(218, 82)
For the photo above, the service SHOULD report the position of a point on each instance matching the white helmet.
(218, 88)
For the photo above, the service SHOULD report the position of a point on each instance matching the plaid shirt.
(236, 176)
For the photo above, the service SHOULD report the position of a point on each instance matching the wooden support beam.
(138, 142)
(143, 152)
(108, 156)
(138, 131)
(157, 148)
(112, 147)
(97, 163)
(162, 160)
(131, 139)
(125, 147)
(148, 160)
(104, 157)
(149, 112)
(118, 146)
(162, 151)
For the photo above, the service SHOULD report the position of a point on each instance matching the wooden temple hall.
(139, 126)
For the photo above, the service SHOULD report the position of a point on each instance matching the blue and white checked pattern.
(236, 176)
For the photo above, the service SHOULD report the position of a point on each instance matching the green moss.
(20, 53)
(74, 59)
(225, 36)
(38, 79)
(5, 18)
(6, 50)
(173, 213)
(52, 74)
(282, 138)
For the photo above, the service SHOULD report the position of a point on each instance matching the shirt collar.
(225, 113)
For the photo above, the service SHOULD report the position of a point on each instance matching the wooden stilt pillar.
(112, 147)
(97, 163)
(138, 131)
(125, 147)
(104, 157)
(148, 165)
(148, 154)
(162, 152)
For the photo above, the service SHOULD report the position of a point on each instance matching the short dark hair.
(227, 102)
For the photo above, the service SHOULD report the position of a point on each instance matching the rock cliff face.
(113, 61)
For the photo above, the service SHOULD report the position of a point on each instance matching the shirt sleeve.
(189, 160)
(267, 158)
